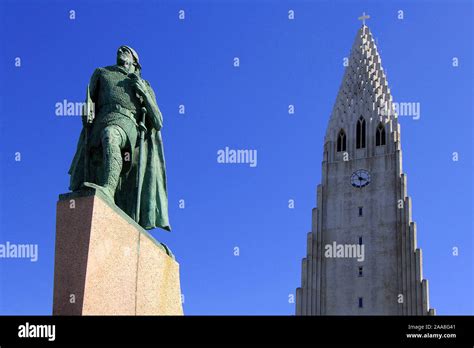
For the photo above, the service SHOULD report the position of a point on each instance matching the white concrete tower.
(363, 206)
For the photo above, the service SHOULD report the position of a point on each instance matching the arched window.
(380, 135)
(341, 141)
(360, 133)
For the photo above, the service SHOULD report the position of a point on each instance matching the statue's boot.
(102, 189)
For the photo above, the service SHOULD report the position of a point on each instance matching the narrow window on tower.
(361, 271)
(341, 141)
(360, 211)
(380, 135)
(361, 302)
(360, 240)
(360, 133)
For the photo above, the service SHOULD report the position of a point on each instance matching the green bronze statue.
(120, 150)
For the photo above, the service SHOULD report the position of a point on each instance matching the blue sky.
(282, 62)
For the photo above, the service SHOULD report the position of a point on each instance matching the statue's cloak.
(154, 198)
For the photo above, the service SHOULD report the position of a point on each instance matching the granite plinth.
(106, 264)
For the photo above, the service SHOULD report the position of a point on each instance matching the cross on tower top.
(363, 18)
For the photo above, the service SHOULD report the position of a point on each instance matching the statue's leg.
(113, 139)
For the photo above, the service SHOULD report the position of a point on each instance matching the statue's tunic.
(113, 92)
(116, 104)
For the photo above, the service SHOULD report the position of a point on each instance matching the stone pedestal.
(106, 264)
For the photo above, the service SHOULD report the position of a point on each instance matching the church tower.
(362, 256)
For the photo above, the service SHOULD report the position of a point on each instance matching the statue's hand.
(141, 88)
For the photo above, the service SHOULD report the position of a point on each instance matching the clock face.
(360, 178)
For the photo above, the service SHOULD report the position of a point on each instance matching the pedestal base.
(106, 264)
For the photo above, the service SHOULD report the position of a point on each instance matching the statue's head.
(128, 58)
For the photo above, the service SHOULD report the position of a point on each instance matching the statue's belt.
(109, 108)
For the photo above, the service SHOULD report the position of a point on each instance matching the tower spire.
(364, 88)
